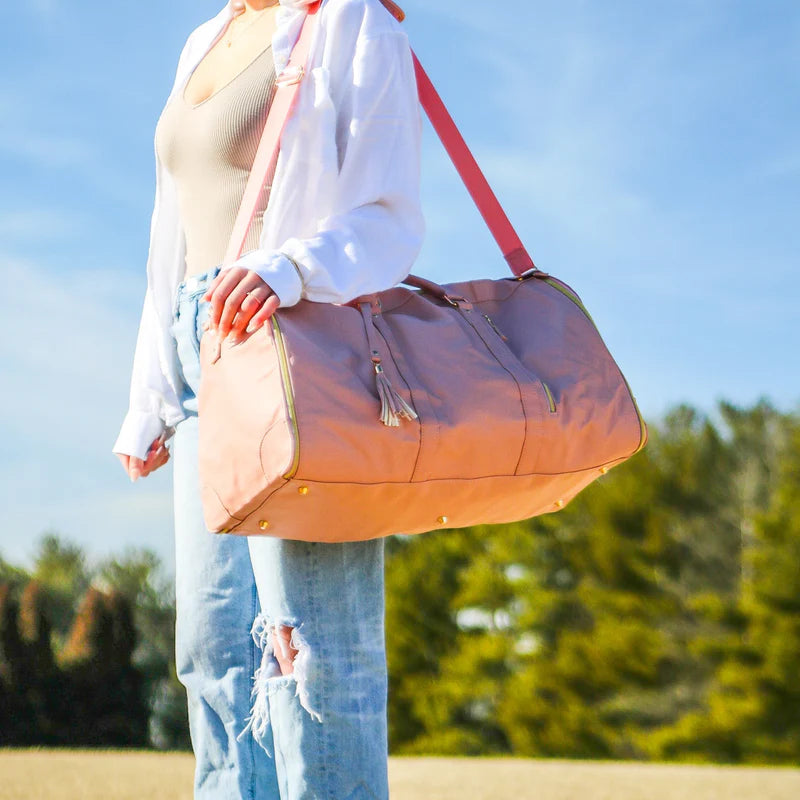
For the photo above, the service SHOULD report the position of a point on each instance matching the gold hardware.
(559, 503)
(453, 301)
(441, 520)
(225, 530)
(529, 273)
(603, 470)
(263, 524)
(290, 75)
(551, 402)
(302, 490)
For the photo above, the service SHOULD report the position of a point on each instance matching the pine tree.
(752, 711)
(106, 689)
(16, 724)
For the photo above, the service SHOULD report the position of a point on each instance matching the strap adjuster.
(291, 75)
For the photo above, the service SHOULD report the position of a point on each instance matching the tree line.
(86, 652)
(656, 617)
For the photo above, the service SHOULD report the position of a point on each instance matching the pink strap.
(288, 84)
(492, 212)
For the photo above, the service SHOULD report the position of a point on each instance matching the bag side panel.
(596, 420)
(240, 404)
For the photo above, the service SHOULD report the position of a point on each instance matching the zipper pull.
(392, 404)
(495, 328)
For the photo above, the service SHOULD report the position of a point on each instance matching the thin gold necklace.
(257, 14)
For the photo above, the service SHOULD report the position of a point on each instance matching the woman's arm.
(144, 424)
(371, 240)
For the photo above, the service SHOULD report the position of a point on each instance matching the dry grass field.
(76, 775)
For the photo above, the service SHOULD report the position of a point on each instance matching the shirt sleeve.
(374, 235)
(143, 421)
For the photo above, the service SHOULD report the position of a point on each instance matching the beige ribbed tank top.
(209, 149)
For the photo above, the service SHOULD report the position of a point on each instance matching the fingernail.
(135, 474)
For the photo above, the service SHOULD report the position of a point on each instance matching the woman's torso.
(209, 147)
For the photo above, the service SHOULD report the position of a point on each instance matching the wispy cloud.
(45, 150)
(41, 224)
(66, 348)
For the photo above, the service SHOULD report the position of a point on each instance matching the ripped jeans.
(319, 731)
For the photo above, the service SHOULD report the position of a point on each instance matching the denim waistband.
(193, 283)
(192, 286)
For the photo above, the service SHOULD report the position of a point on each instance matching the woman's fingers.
(218, 278)
(270, 306)
(135, 467)
(155, 459)
(239, 302)
(233, 304)
(220, 290)
(251, 303)
(157, 455)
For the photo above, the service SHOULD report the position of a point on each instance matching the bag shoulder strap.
(485, 199)
(288, 84)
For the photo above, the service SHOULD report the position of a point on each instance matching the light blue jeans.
(319, 732)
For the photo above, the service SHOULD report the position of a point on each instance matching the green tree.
(752, 710)
(15, 716)
(61, 568)
(138, 575)
(421, 580)
(108, 705)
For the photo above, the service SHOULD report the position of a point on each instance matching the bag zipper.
(495, 328)
(551, 402)
(288, 393)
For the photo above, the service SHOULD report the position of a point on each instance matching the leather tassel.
(393, 406)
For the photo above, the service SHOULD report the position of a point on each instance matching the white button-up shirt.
(345, 198)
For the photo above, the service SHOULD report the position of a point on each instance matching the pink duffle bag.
(410, 409)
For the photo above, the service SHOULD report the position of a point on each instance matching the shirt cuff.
(276, 269)
(138, 431)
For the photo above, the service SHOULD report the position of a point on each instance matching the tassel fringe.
(393, 406)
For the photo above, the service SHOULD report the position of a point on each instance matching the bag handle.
(288, 84)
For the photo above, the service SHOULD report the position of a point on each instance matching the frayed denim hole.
(268, 678)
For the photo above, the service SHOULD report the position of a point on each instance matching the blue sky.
(648, 154)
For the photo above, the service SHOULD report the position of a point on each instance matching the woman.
(279, 643)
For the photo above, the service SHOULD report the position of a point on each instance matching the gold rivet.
(559, 503)
(441, 520)
(603, 470)
(263, 524)
(302, 489)
(225, 530)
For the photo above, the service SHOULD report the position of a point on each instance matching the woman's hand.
(157, 456)
(241, 301)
